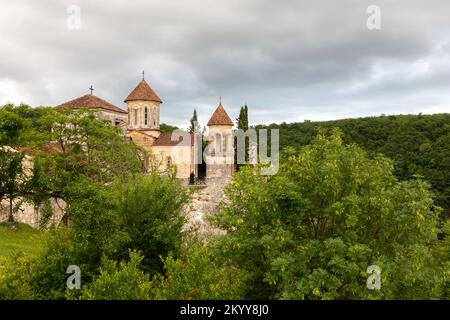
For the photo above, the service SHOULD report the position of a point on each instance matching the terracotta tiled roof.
(220, 117)
(142, 129)
(165, 140)
(91, 102)
(143, 92)
(45, 147)
(52, 146)
(29, 151)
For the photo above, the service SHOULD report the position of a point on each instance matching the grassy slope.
(23, 239)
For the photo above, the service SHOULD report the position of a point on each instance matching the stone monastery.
(141, 124)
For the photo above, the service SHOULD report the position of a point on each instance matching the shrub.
(48, 278)
(15, 274)
(149, 209)
(123, 281)
(197, 276)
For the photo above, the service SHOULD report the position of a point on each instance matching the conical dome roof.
(143, 91)
(220, 117)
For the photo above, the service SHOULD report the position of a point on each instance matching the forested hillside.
(418, 144)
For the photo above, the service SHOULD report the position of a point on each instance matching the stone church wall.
(32, 216)
(179, 156)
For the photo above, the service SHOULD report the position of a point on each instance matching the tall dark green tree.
(246, 117)
(242, 120)
(242, 123)
(194, 127)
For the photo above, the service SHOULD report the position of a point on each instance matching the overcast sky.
(288, 60)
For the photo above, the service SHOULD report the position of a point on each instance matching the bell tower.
(220, 153)
(143, 107)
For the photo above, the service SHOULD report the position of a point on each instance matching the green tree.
(11, 127)
(242, 120)
(150, 212)
(242, 123)
(12, 177)
(96, 148)
(32, 132)
(12, 173)
(167, 128)
(246, 117)
(311, 231)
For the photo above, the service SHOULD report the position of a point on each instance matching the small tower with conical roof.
(220, 152)
(143, 107)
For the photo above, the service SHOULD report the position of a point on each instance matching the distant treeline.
(418, 144)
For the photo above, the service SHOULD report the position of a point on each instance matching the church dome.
(144, 92)
(220, 117)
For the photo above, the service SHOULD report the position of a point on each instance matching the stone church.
(140, 123)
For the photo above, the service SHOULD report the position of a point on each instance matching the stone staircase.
(205, 202)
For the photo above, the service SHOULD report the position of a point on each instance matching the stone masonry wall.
(32, 216)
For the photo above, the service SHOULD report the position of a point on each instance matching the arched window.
(146, 116)
(224, 143)
(218, 139)
(135, 117)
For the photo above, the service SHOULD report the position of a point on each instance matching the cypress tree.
(194, 127)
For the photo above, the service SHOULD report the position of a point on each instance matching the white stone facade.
(143, 114)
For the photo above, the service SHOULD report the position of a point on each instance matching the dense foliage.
(119, 281)
(196, 275)
(312, 230)
(167, 128)
(418, 144)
